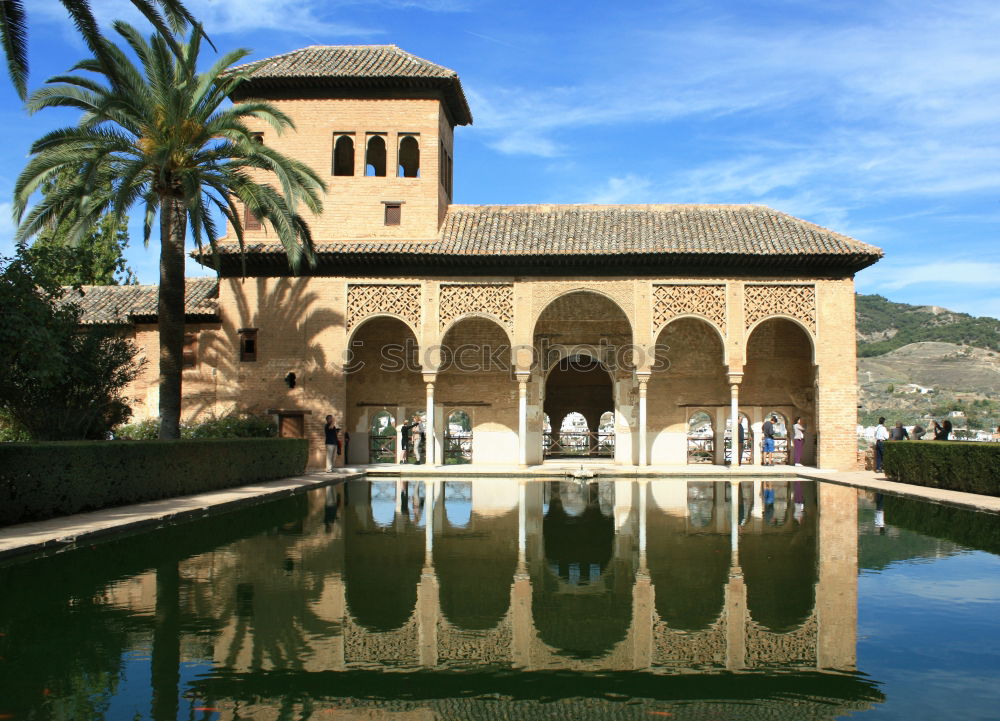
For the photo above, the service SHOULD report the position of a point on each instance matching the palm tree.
(14, 30)
(157, 135)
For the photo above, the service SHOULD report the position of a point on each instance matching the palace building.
(659, 325)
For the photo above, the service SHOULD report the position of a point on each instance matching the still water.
(496, 599)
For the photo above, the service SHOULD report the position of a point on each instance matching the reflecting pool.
(493, 598)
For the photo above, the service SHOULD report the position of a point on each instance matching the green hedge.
(41, 480)
(955, 465)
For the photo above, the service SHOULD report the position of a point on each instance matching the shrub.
(147, 430)
(41, 480)
(954, 465)
(231, 425)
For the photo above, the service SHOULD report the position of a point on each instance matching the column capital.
(522, 376)
(430, 378)
(735, 378)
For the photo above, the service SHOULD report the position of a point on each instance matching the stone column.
(734, 414)
(522, 418)
(643, 378)
(431, 441)
(736, 592)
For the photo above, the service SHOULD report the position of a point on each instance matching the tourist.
(404, 433)
(936, 430)
(898, 433)
(332, 440)
(918, 432)
(945, 430)
(768, 430)
(416, 439)
(741, 433)
(798, 439)
(881, 436)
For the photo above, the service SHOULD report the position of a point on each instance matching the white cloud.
(626, 189)
(941, 272)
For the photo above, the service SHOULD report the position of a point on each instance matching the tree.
(58, 381)
(158, 134)
(14, 29)
(96, 259)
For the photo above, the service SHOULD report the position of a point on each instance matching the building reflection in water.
(439, 575)
(608, 575)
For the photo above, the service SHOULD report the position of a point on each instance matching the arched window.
(409, 157)
(382, 439)
(458, 438)
(700, 438)
(343, 155)
(375, 157)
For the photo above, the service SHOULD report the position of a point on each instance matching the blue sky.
(876, 118)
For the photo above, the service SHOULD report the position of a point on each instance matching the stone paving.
(67, 531)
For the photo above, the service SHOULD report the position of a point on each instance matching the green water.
(495, 599)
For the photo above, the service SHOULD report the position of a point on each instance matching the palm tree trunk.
(170, 313)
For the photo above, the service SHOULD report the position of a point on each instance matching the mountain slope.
(884, 326)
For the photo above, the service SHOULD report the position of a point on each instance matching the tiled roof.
(101, 304)
(699, 234)
(355, 66)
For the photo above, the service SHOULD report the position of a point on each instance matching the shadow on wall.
(288, 324)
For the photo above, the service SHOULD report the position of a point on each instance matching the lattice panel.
(366, 300)
(764, 301)
(493, 299)
(670, 301)
(798, 647)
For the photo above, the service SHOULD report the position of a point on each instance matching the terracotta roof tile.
(355, 66)
(100, 304)
(590, 230)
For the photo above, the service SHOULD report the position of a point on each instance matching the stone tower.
(377, 124)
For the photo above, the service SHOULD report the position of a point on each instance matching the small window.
(189, 358)
(409, 157)
(248, 345)
(375, 157)
(393, 213)
(445, 169)
(250, 220)
(343, 155)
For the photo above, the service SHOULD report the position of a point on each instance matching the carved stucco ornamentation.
(764, 301)
(491, 646)
(689, 649)
(400, 646)
(794, 648)
(621, 292)
(489, 298)
(372, 299)
(670, 301)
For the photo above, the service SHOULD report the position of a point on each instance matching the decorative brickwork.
(795, 301)
(708, 301)
(492, 299)
(367, 300)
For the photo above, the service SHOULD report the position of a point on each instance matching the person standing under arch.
(768, 430)
(798, 439)
(332, 441)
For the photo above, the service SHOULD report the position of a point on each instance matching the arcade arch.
(474, 379)
(780, 377)
(383, 375)
(688, 376)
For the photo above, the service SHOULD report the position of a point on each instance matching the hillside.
(916, 362)
(884, 326)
